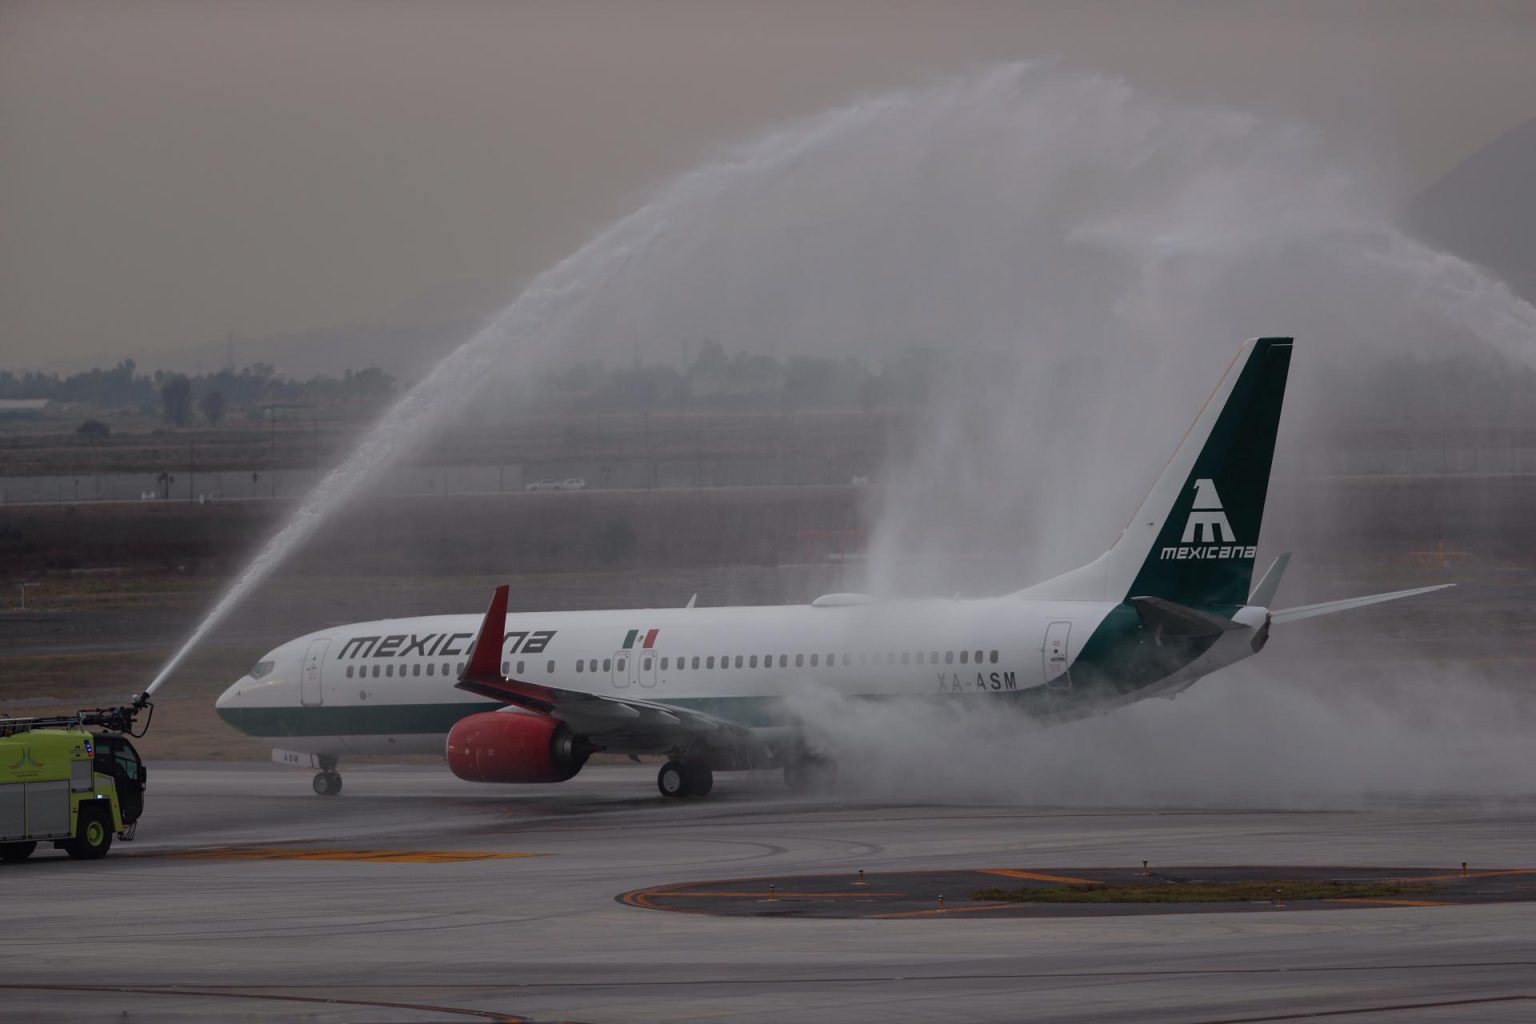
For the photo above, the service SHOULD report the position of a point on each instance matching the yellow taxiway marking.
(1391, 903)
(376, 856)
(1037, 877)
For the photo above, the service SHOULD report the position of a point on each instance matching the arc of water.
(530, 321)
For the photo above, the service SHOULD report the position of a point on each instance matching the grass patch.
(1204, 892)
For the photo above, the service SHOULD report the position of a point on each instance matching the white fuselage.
(388, 686)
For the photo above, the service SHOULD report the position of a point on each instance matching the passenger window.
(831, 661)
(607, 664)
(549, 667)
(519, 669)
(738, 661)
(949, 657)
(645, 665)
(905, 658)
(580, 664)
(416, 669)
(783, 661)
(963, 656)
(799, 661)
(978, 657)
(505, 666)
(813, 660)
(446, 668)
(618, 664)
(375, 671)
(993, 658)
(431, 666)
(710, 662)
(349, 671)
(663, 664)
(752, 662)
(695, 661)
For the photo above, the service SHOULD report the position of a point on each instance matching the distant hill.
(1485, 209)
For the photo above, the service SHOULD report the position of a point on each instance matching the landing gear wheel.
(682, 780)
(673, 780)
(93, 834)
(328, 783)
(15, 853)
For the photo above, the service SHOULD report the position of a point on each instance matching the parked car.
(574, 483)
(544, 485)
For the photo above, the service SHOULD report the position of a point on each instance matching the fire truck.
(72, 780)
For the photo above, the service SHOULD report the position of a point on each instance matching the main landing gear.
(328, 781)
(682, 780)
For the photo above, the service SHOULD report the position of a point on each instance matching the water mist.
(1084, 259)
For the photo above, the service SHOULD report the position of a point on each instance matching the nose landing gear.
(328, 781)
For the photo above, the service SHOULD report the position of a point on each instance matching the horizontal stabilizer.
(1178, 622)
(1308, 611)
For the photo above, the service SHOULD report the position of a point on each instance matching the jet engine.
(504, 746)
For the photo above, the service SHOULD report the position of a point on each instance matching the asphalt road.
(415, 897)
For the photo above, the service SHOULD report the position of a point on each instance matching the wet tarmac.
(416, 897)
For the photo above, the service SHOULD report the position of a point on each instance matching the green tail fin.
(1193, 540)
(1202, 555)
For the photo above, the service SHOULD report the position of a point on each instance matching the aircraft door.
(309, 676)
(1057, 674)
(645, 663)
(623, 674)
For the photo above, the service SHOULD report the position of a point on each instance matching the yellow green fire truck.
(62, 782)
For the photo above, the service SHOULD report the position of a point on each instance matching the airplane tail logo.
(1207, 516)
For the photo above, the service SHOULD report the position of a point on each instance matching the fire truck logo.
(27, 761)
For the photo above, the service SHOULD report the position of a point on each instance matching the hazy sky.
(175, 172)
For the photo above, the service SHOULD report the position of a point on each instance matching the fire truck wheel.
(13, 853)
(93, 834)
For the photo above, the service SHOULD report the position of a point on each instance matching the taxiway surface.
(246, 897)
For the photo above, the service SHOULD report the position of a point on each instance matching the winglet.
(1264, 594)
(484, 664)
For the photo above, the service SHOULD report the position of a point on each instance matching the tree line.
(178, 398)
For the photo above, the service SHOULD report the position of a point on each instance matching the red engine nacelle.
(504, 746)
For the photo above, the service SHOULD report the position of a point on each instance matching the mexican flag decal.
(647, 638)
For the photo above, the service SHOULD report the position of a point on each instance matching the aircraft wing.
(1308, 611)
(587, 713)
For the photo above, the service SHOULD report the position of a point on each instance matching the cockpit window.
(262, 668)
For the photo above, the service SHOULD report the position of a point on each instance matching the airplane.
(710, 688)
